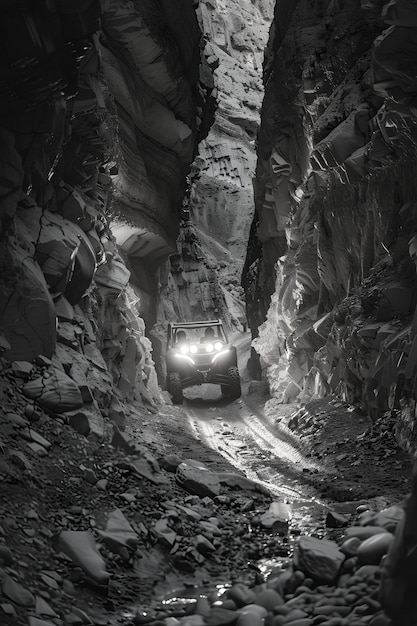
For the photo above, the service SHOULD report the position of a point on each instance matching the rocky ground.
(115, 531)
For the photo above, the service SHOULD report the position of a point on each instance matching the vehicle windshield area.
(205, 334)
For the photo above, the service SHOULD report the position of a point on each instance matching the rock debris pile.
(326, 582)
(363, 457)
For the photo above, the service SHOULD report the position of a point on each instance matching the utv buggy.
(198, 352)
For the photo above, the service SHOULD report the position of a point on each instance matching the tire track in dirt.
(233, 431)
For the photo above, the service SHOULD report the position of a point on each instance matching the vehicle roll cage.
(198, 324)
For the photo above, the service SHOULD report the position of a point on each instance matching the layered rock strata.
(332, 251)
(161, 83)
(219, 203)
(101, 108)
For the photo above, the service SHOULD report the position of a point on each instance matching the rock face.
(203, 279)
(221, 202)
(155, 69)
(101, 109)
(331, 259)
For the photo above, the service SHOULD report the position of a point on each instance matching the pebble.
(362, 508)
(29, 410)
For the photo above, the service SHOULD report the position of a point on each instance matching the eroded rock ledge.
(331, 261)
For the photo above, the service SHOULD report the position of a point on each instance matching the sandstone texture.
(221, 202)
(330, 268)
(203, 278)
(101, 110)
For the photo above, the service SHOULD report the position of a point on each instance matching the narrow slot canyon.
(208, 323)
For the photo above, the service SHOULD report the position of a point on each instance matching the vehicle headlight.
(193, 349)
(184, 349)
(218, 345)
(209, 347)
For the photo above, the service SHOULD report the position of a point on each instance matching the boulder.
(54, 391)
(203, 545)
(170, 462)
(252, 615)
(277, 518)
(118, 533)
(319, 559)
(363, 532)
(241, 594)
(147, 467)
(80, 546)
(350, 546)
(387, 518)
(198, 480)
(269, 599)
(163, 533)
(87, 421)
(371, 550)
(335, 520)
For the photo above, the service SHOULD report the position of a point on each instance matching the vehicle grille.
(203, 361)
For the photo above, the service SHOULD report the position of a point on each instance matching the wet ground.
(252, 442)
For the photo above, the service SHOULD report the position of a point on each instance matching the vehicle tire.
(225, 390)
(234, 382)
(175, 388)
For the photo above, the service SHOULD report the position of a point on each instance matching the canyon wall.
(221, 202)
(330, 274)
(102, 105)
(203, 280)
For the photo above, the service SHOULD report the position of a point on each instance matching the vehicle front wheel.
(175, 388)
(234, 382)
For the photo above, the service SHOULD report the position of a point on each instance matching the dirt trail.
(333, 456)
(240, 432)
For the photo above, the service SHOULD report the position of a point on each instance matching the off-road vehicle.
(197, 353)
